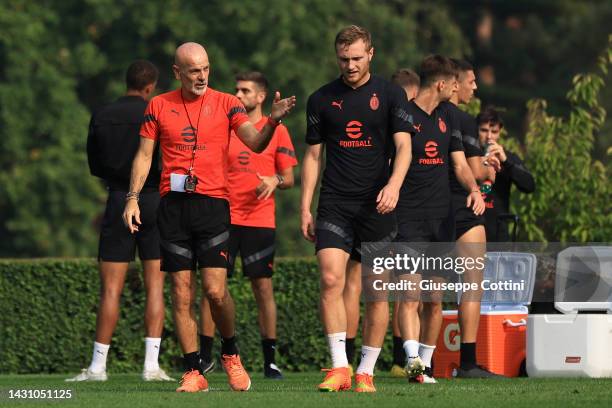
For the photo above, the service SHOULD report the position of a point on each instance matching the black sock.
(350, 350)
(206, 345)
(399, 355)
(468, 355)
(269, 347)
(191, 361)
(228, 346)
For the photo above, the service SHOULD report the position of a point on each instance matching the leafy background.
(59, 60)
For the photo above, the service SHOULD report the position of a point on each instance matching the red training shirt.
(166, 121)
(244, 165)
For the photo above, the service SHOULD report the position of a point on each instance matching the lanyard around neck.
(195, 130)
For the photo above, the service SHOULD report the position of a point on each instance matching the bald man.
(192, 125)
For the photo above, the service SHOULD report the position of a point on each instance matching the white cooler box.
(574, 344)
(571, 345)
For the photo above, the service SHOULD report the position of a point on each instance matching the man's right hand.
(308, 231)
(131, 212)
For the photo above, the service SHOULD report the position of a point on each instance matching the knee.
(331, 283)
(181, 298)
(353, 286)
(181, 304)
(215, 295)
(408, 306)
(263, 288)
(110, 294)
(432, 308)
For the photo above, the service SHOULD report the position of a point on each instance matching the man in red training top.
(192, 125)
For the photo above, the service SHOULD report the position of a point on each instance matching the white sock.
(151, 353)
(337, 348)
(369, 355)
(98, 361)
(426, 353)
(411, 347)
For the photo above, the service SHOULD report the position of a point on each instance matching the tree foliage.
(62, 59)
(47, 199)
(573, 196)
(59, 60)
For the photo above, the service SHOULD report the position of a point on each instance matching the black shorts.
(422, 232)
(427, 230)
(346, 224)
(256, 246)
(194, 231)
(465, 219)
(117, 244)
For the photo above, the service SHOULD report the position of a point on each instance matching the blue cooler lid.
(511, 268)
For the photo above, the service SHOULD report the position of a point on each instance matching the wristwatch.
(272, 122)
(281, 179)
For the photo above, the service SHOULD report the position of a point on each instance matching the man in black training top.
(512, 170)
(359, 118)
(424, 212)
(111, 145)
(469, 227)
(409, 81)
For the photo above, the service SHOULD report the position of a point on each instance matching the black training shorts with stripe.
(256, 246)
(194, 231)
(347, 224)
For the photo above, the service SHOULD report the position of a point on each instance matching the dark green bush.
(48, 311)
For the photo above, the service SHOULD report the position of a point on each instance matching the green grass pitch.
(127, 390)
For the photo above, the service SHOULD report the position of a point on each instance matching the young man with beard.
(358, 117)
(192, 125)
(424, 211)
(252, 180)
(409, 81)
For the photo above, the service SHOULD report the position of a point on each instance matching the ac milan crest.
(374, 102)
(441, 125)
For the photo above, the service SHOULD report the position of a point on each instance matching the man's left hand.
(281, 107)
(267, 186)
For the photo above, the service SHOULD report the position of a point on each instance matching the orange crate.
(500, 344)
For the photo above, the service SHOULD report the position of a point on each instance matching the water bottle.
(486, 152)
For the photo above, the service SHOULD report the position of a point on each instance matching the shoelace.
(188, 377)
(234, 365)
(329, 372)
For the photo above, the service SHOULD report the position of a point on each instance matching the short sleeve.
(398, 104)
(454, 124)
(469, 137)
(236, 113)
(285, 152)
(150, 124)
(314, 133)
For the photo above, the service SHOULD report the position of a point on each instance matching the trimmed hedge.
(48, 311)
